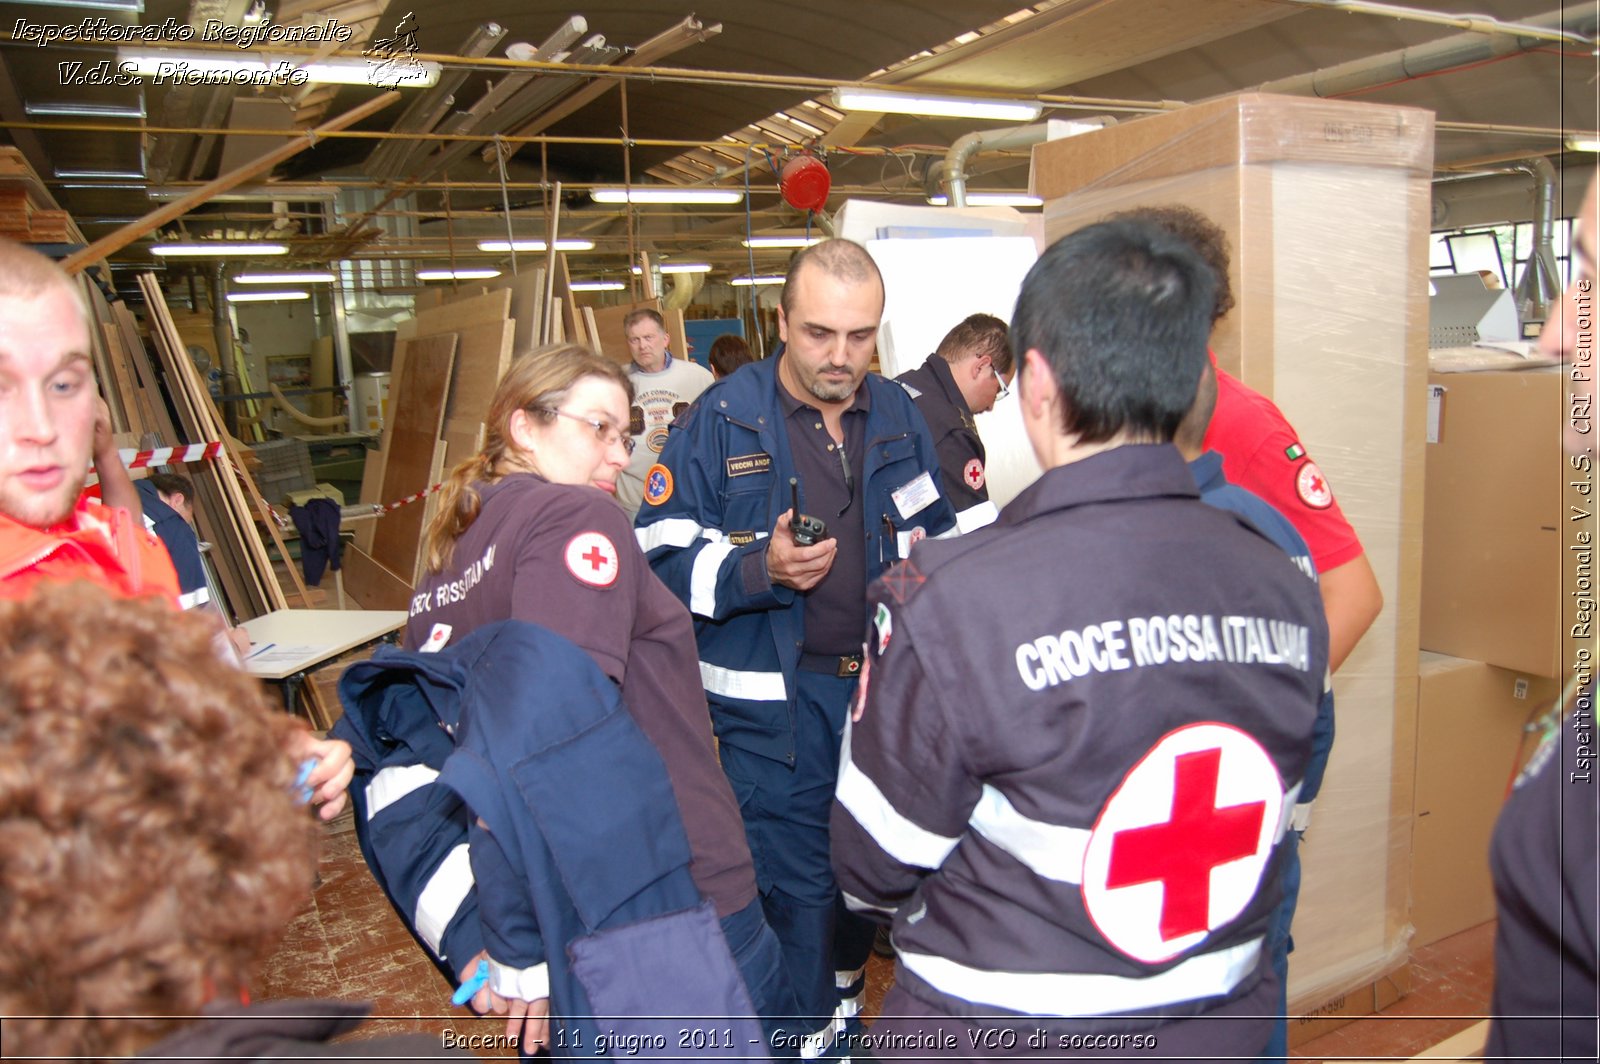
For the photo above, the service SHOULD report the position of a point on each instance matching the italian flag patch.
(1294, 451)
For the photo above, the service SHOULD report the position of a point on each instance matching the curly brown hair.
(151, 847)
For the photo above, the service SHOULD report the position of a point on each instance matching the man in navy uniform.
(970, 369)
(1084, 726)
(778, 620)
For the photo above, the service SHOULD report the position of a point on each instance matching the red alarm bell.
(804, 182)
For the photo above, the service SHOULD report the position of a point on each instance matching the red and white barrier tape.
(193, 452)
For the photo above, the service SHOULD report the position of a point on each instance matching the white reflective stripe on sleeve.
(198, 597)
(703, 578)
(1286, 814)
(899, 837)
(394, 783)
(856, 905)
(1300, 818)
(975, 517)
(952, 532)
(1049, 850)
(1082, 994)
(846, 980)
(439, 901)
(524, 984)
(668, 532)
(750, 686)
(817, 1043)
(903, 543)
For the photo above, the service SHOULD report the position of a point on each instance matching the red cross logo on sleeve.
(593, 559)
(972, 473)
(1312, 487)
(1181, 845)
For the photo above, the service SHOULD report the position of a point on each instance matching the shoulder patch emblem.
(657, 485)
(972, 474)
(592, 558)
(1312, 487)
(437, 638)
(1181, 846)
(883, 626)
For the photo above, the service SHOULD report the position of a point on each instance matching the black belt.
(832, 664)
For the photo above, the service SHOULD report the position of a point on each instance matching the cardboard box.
(1313, 1021)
(1326, 206)
(1493, 519)
(1470, 743)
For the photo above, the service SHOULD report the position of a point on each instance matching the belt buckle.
(849, 665)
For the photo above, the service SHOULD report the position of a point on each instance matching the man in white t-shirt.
(663, 387)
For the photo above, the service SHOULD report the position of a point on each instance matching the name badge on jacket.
(914, 497)
(745, 464)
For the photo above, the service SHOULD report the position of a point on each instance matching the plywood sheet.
(483, 353)
(372, 585)
(526, 290)
(417, 403)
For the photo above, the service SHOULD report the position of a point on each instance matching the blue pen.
(469, 988)
(307, 767)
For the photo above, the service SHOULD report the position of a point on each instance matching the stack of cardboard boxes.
(1326, 206)
(1494, 617)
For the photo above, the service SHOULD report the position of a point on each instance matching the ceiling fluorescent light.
(267, 297)
(85, 110)
(95, 175)
(667, 194)
(175, 66)
(597, 286)
(1583, 144)
(308, 277)
(135, 7)
(534, 245)
(992, 199)
(763, 279)
(679, 267)
(759, 242)
(457, 275)
(905, 103)
(218, 248)
(99, 184)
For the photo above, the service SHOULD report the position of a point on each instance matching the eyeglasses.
(1005, 389)
(605, 432)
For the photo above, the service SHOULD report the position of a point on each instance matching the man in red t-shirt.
(51, 425)
(1262, 452)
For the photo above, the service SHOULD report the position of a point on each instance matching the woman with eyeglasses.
(521, 533)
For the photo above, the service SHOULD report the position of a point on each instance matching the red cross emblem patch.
(1312, 487)
(973, 474)
(593, 559)
(1181, 845)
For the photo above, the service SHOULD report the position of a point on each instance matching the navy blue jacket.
(720, 487)
(183, 546)
(584, 889)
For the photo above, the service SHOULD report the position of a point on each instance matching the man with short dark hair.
(966, 374)
(779, 616)
(1084, 725)
(663, 387)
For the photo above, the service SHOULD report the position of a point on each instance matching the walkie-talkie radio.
(805, 530)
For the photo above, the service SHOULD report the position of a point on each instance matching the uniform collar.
(1207, 472)
(1132, 471)
(941, 372)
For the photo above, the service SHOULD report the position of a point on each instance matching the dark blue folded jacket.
(582, 863)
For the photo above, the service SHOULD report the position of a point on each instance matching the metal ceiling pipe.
(430, 106)
(1539, 285)
(969, 144)
(1442, 54)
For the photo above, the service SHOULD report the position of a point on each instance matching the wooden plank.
(416, 403)
(453, 317)
(159, 419)
(591, 331)
(371, 584)
(463, 440)
(371, 494)
(527, 300)
(483, 354)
